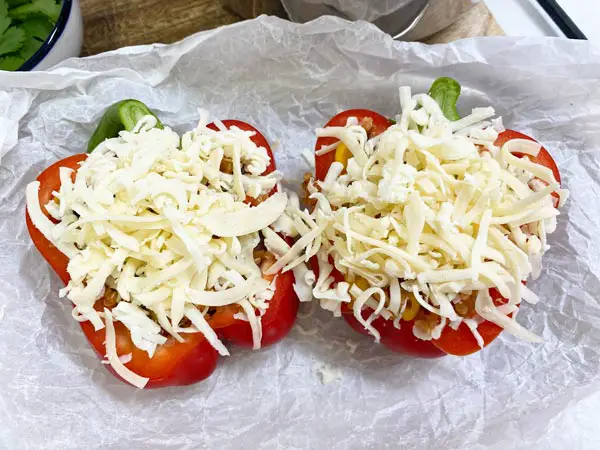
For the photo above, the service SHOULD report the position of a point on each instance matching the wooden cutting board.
(110, 24)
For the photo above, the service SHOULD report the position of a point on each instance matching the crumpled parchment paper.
(288, 79)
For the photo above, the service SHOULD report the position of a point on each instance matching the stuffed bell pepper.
(427, 227)
(160, 242)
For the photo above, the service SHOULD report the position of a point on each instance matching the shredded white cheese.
(162, 223)
(327, 373)
(113, 358)
(437, 205)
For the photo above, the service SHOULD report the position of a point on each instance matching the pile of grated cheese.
(153, 217)
(430, 210)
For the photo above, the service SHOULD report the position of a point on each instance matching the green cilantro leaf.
(11, 40)
(14, 3)
(4, 24)
(4, 19)
(37, 27)
(11, 62)
(37, 8)
(30, 46)
(24, 26)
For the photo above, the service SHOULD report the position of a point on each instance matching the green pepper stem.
(445, 91)
(123, 115)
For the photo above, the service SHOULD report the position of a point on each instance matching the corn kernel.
(362, 283)
(342, 154)
(412, 308)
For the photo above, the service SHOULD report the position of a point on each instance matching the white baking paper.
(288, 79)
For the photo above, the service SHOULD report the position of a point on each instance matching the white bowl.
(64, 42)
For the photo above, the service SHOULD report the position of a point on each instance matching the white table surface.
(527, 18)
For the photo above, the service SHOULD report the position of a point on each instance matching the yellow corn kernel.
(412, 308)
(362, 283)
(342, 154)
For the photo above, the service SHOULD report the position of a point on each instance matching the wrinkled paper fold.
(287, 79)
